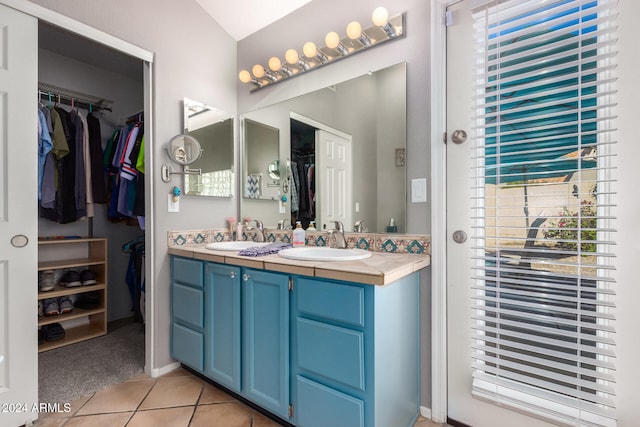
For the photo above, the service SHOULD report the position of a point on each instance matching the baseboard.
(425, 412)
(157, 372)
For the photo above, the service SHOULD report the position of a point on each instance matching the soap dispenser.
(298, 235)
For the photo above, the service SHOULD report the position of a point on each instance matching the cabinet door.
(266, 340)
(222, 320)
(187, 312)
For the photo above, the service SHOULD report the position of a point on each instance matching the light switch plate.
(419, 190)
(173, 206)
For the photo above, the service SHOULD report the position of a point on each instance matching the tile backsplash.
(419, 244)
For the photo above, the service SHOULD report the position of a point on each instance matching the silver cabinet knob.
(232, 275)
(245, 277)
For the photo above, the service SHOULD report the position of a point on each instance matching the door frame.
(439, 236)
(81, 29)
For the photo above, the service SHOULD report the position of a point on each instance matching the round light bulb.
(310, 50)
(291, 56)
(275, 64)
(244, 76)
(258, 71)
(332, 40)
(354, 30)
(380, 16)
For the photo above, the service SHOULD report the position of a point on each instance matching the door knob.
(459, 236)
(19, 241)
(459, 136)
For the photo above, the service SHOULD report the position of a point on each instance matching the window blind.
(543, 309)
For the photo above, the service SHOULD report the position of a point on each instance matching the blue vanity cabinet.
(355, 353)
(187, 312)
(222, 325)
(265, 319)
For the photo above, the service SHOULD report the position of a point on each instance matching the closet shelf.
(75, 314)
(61, 291)
(74, 335)
(82, 252)
(70, 263)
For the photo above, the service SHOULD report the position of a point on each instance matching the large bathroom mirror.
(367, 116)
(213, 129)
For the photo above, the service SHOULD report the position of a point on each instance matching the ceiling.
(234, 20)
(248, 16)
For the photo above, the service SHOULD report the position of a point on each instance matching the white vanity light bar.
(384, 29)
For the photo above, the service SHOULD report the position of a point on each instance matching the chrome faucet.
(281, 224)
(338, 235)
(359, 227)
(259, 231)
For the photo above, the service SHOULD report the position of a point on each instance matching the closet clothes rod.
(69, 97)
(136, 118)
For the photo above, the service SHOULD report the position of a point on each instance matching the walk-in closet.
(303, 153)
(91, 245)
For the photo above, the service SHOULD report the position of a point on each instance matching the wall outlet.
(173, 206)
(419, 190)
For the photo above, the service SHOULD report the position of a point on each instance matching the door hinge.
(291, 411)
(290, 283)
(444, 137)
(448, 18)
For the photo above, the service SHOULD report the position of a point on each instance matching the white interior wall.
(127, 94)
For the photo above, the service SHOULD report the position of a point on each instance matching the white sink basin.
(321, 253)
(234, 246)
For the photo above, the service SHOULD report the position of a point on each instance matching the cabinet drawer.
(332, 352)
(187, 346)
(321, 406)
(188, 305)
(188, 271)
(332, 301)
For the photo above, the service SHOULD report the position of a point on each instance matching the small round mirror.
(274, 170)
(184, 149)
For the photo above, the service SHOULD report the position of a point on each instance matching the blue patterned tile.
(363, 243)
(285, 238)
(179, 240)
(415, 247)
(320, 241)
(199, 238)
(389, 246)
(219, 237)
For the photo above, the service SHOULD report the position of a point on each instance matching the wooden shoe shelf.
(75, 253)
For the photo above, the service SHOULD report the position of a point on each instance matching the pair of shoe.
(73, 278)
(54, 306)
(52, 332)
(47, 281)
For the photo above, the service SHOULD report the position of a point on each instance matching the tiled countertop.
(380, 269)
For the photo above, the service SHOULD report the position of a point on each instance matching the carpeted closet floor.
(68, 373)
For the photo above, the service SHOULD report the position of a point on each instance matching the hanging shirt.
(98, 184)
(127, 171)
(44, 147)
(80, 180)
(140, 160)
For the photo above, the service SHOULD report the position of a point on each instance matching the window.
(543, 321)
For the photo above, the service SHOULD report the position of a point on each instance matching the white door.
(534, 351)
(18, 217)
(333, 180)
(461, 406)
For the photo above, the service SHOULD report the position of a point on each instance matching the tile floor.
(175, 399)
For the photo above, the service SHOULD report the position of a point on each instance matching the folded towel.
(271, 248)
